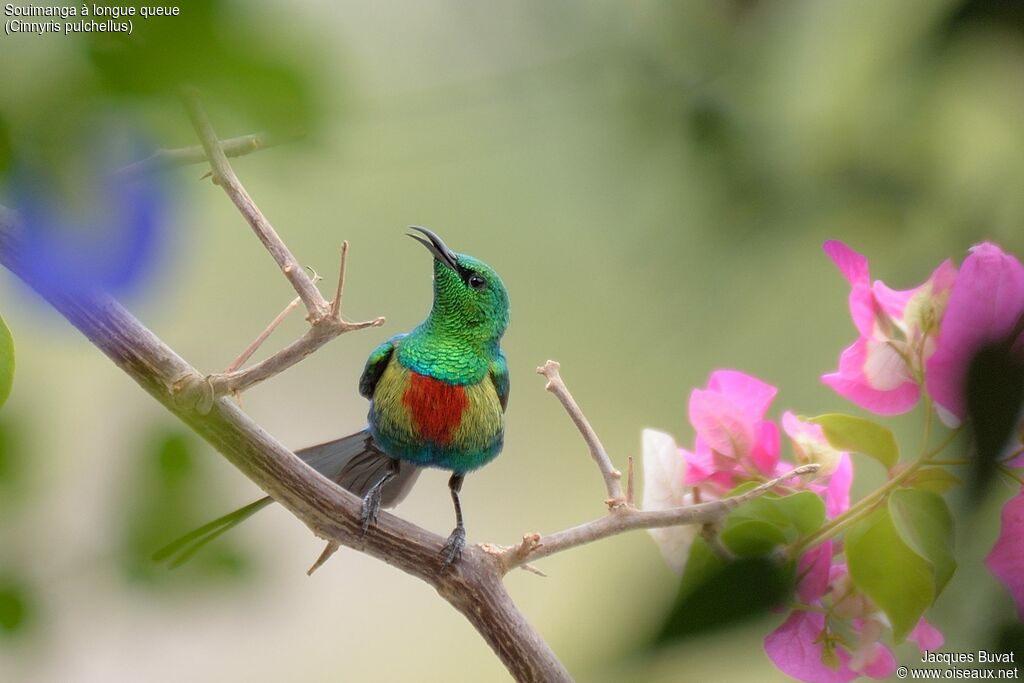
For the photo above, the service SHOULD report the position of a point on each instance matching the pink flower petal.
(854, 268)
(703, 470)
(926, 636)
(1006, 560)
(813, 570)
(874, 379)
(749, 394)
(796, 428)
(837, 495)
(985, 304)
(721, 423)
(893, 302)
(853, 265)
(793, 647)
(765, 453)
(880, 662)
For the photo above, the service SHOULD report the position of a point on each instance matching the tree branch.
(183, 156)
(623, 518)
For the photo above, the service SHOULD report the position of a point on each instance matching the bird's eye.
(477, 282)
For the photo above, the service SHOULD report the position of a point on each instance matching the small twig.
(201, 391)
(711, 533)
(252, 348)
(224, 176)
(168, 158)
(611, 475)
(629, 482)
(340, 291)
(623, 519)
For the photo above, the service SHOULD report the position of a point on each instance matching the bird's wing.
(375, 365)
(499, 375)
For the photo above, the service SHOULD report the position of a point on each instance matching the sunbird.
(437, 399)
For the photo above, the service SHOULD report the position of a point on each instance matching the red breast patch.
(436, 407)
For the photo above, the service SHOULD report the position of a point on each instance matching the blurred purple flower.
(114, 248)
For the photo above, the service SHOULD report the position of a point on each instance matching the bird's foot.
(453, 547)
(371, 508)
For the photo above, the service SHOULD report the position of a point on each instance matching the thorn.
(533, 570)
(330, 549)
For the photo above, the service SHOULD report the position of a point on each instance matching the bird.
(437, 394)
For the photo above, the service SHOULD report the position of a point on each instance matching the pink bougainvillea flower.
(837, 493)
(985, 306)
(733, 438)
(800, 649)
(803, 648)
(814, 570)
(881, 371)
(810, 444)
(664, 488)
(926, 636)
(1006, 560)
(808, 645)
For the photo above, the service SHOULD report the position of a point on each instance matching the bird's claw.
(453, 547)
(371, 507)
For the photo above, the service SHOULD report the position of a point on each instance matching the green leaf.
(923, 521)
(799, 513)
(936, 479)
(753, 538)
(700, 566)
(849, 433)
(890, 572)
(714, 594)
(6, 361)
(16, 605)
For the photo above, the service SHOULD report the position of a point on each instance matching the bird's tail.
(354, 462)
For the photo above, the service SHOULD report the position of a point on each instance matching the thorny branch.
(473, 586)
(325, 321)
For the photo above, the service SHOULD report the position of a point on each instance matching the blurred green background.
(652, 180)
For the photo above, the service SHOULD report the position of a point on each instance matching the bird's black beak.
(436, 246)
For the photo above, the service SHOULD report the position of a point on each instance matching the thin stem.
(928, 413)
(340, 290)
(256, 343)
(1016, 476)
(183, 156)
(837, 524)
(622, 519)
(611, 475)
(224, 176)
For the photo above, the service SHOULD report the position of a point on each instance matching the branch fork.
(325, 319)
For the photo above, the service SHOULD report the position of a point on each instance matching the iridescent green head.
(470, 300)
